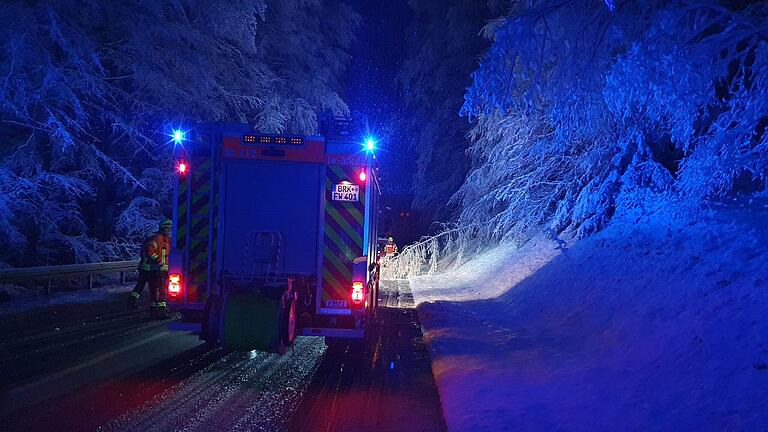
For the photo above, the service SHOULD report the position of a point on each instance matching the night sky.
(370, 90)
(370, 81)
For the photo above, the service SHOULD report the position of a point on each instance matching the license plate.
(345, 192)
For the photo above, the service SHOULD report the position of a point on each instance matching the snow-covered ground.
(647, 325)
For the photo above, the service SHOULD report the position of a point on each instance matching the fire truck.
(275, 235)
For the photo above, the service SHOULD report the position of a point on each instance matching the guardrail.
(51, 273)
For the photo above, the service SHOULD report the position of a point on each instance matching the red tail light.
(182, 167)
(174, 285)
(357, 292)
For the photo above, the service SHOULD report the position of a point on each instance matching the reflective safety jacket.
(154, 253)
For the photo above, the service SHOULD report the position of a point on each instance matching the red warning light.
(174, 284)
(363, 176)
(182, 168)
(357, 292)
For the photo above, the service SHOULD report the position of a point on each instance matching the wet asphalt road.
(80, 368)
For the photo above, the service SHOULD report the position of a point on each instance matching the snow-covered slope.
(647, 325)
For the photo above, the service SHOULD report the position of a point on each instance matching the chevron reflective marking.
(199, 231)
(331, 282)
(344, 226)
(181, 211)
(214, 231)
(343, 235)
(336, 237)
(344, 271)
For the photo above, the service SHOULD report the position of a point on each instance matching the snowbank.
(647, 325)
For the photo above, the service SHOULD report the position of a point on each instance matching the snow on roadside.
(647, 325)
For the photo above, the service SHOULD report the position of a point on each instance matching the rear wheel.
(288, 333)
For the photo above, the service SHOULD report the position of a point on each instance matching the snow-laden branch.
(88, 91)
(579, 109)
(447, 250)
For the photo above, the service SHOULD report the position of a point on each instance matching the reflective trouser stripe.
(161, 304)
(134, 294)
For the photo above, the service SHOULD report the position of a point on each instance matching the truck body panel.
(253, 211)
(267, 227)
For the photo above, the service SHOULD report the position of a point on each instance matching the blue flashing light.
(370, 144)
(178, 136)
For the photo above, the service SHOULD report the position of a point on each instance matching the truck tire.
(288, 318)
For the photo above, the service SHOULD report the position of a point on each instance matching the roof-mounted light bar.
(273, 140)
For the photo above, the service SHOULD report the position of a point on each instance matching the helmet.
(166, 223)
(390, 239)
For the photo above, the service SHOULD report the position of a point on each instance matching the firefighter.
(153, 269)
(390, 248)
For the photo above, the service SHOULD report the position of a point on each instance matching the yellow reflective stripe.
(161, 304)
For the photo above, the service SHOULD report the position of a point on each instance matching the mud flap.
(254, 321)
(210, 321)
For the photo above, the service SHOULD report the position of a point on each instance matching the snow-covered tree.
(88, 89)
(580, 107)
